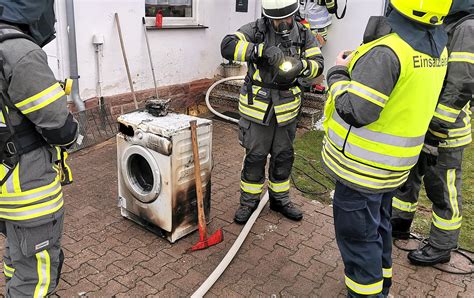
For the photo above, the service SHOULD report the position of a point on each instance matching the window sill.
(171, 27)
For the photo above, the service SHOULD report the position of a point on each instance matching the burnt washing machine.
(156, 185)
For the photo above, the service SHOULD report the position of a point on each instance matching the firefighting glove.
(290, 69)
(274, 55)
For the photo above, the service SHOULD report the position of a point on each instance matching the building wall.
(179, 55)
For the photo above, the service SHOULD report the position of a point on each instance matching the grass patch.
(309, 145)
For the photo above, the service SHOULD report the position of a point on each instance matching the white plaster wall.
(179, 55)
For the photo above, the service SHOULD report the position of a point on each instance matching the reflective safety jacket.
(453, 112)
(267, 99)
(37, 109)
(376, 157)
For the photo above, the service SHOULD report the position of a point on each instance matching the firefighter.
(35, 124)
(278, 50)
(381, 100)
(449, 134)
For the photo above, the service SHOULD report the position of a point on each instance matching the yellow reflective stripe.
(287, 117)
(452, 191)
(305, 63)
(256, 75)
(260, 49)
(240, 51)
(30, 194)
(466, 140)
(312, 52)
(387, 272)
(34, 211)
(252, 188)
(457, 132)
(368, 93)
(256, 103)
(404, 206)
(363, 169)
(41, 99)
(288, 106)
(369, 289)
(447, 225)
(314, 69)
(356, 178)
(338, 88)
(279, 187)
(240, 36)
(446, 113)
(44, 274)
(7, 270)
(252, 113)
(462, 57)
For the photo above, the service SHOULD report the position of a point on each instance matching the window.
(174, 12)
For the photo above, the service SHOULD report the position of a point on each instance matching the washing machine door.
(141, 173)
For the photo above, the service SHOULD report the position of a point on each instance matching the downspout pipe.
(74, 72)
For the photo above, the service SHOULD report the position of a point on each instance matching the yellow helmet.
(428, 12)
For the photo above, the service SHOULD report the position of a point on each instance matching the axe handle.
(197, 174)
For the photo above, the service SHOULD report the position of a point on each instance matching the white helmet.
(279, 9)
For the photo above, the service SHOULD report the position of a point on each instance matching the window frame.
(176, 21)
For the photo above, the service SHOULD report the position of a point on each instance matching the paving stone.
(111, 289)
(73, 277)
(417, 289)
(131, 278)
(273, 286)
(290, 271)
(82, 288)
(190, 282)
(304, 255)
(127, 263)
(317, 241)
(445, 289)
(141, 290)
(315, 272)
(101, 278)
(102, 263)
(172, 291)
(425, 275)
(159, 281)
(330, 287)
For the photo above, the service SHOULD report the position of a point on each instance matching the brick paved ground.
(107, 255)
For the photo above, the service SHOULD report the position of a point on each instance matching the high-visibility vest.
(378, 157)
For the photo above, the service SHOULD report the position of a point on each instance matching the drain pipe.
(74, 73)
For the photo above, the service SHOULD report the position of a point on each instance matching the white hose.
(208, 104)
(209, 282)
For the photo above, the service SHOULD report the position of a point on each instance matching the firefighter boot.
(243, 214)
(400, 228)
(429, 256)
(289, 210)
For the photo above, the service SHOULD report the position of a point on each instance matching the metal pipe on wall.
(74, 72)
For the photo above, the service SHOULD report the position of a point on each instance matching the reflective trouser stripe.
(44, 274)
(252, 188)
(8, 271)
(369, 289)
(404, 206)
(452, 192)
(279, 187)
(387, 272)
(447, 225)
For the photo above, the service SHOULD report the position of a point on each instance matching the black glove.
(274, 55)
(290, 69)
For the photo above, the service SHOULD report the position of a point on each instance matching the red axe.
(217, 237)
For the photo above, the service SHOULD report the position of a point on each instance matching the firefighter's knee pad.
(282, 165)
(254, 167)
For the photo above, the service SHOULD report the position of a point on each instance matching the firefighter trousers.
(33, 258)
(364, 238)
(443, 187)
(260, 141)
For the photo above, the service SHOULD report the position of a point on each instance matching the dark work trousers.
(443, 187)
(364, 238)
(260, 141)
(32, 258)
